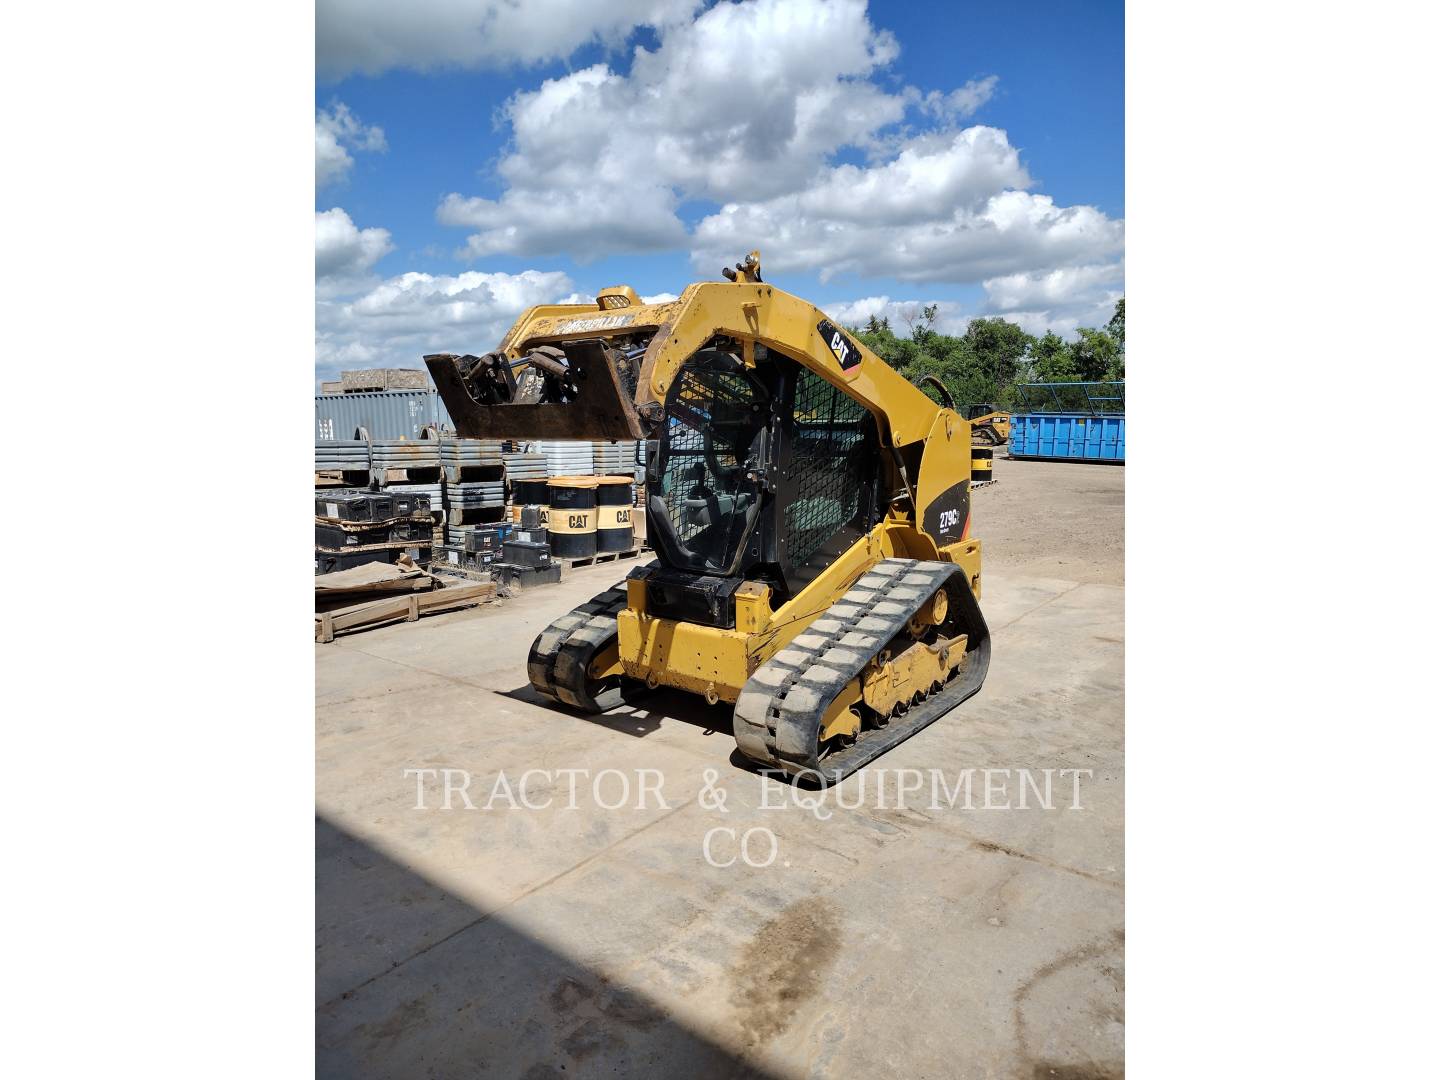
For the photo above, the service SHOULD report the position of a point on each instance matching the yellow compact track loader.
(808, 507)
(989, 425)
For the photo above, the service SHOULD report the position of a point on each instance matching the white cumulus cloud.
(748, 97)
(1059, 299)
(572, 223)
(397, 321)
(372, 36)
(1015, 292)
(968, 235)
(337, 132)
(345, 254)
(747, 105)
(962, 103)
(784, 117)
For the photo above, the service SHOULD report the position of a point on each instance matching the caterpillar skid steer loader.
(989, 426)
(808, 507)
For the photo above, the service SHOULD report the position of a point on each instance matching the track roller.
(853, 684)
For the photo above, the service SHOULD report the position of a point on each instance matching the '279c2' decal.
(845, 350)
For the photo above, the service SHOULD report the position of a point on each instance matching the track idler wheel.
(573, 659)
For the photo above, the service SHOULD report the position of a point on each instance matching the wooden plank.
(409, 608)
(455, 596)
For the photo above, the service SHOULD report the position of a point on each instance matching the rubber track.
(778, 713)
(560, 657)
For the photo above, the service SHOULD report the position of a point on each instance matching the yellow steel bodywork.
(717, 662)
(1000, 421)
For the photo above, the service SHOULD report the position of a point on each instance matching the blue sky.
(561, 148)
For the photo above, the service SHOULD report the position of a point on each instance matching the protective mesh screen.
(712, 423)
(828, 424)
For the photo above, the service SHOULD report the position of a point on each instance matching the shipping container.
(384, 414)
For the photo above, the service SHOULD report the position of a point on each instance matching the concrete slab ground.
(903, 934)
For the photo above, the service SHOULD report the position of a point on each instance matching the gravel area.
(1053, 519)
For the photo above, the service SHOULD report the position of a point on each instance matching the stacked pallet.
(344, 462)
(474, 493)
(403, 461)
(568, 458)
(521, 466)
(406, 467)
(613, 459)
(354, 527)
(474, 502)
(472, 459)
(434, 496)
(483, 536)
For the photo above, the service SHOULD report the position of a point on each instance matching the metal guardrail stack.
(475, 458)
(524, 466)
(475, 514)
(612, 459)
(567, 458)
(347, 456)
(409, 466)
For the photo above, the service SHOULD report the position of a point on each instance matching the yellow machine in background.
(989, 426)
(809, 510)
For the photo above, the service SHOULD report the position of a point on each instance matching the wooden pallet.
(429, 474)
(409, 607)
(602, 557)
(347, 478)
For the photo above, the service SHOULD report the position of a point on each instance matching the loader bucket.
(603, 408)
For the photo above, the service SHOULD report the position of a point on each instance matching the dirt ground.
(890, 936)
(1053, 519)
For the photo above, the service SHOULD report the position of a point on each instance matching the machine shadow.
(410, 980)
(643, 716)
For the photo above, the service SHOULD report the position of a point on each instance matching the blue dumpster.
(1068, 437)
(1070, 422)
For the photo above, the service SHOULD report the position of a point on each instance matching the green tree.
(999, 348)
(1116, 325)
(922, 328)
(1094, 354)
(987, 361)
(1051, 359)
(1116, 329)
